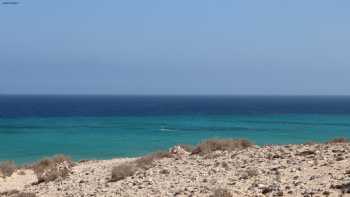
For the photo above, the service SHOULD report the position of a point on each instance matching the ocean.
(103, 127)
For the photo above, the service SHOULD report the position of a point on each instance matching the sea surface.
(103, 127)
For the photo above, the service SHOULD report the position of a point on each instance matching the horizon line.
(16, 94)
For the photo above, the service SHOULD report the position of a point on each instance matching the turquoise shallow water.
(26, 139)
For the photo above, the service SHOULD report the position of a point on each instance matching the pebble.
(291, 167)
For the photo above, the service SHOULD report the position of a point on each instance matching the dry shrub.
(147, 161)
(128, 169)
(16, 193)
(212, 155)
(249, 173)
(21, 172)
(7, 168)
(24, 194)
(9, 192)
(122, 171)
(221, 193)
(50, 169)
(338, 140)
(212, 145)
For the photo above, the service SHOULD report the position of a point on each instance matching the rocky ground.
(277, 170)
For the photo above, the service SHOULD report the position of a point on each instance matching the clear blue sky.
(175, 47)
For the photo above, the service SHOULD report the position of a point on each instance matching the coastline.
(103, 127)
(271, 170)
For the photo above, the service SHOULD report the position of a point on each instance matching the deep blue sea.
(102, 127)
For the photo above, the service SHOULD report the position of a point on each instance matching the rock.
(307, 152)
(312, 177)
(164, 171)
(344, 188)
(275, 170)
(339, 158)
(266, 190)
(277, 157)
(178, 150)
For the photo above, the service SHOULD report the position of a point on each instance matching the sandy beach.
(276, 170)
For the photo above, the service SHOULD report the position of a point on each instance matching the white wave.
(165, 129)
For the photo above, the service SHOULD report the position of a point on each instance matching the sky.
(230, 47)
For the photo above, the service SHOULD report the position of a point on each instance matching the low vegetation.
(249, 173)
(24, 194)
(129, 168)
(50, 169)
(123, 170)
(212, 145)
(338, 140)
(9, 192)
(147, 161)
(16, 193)
(7, 168)
(221, 193)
